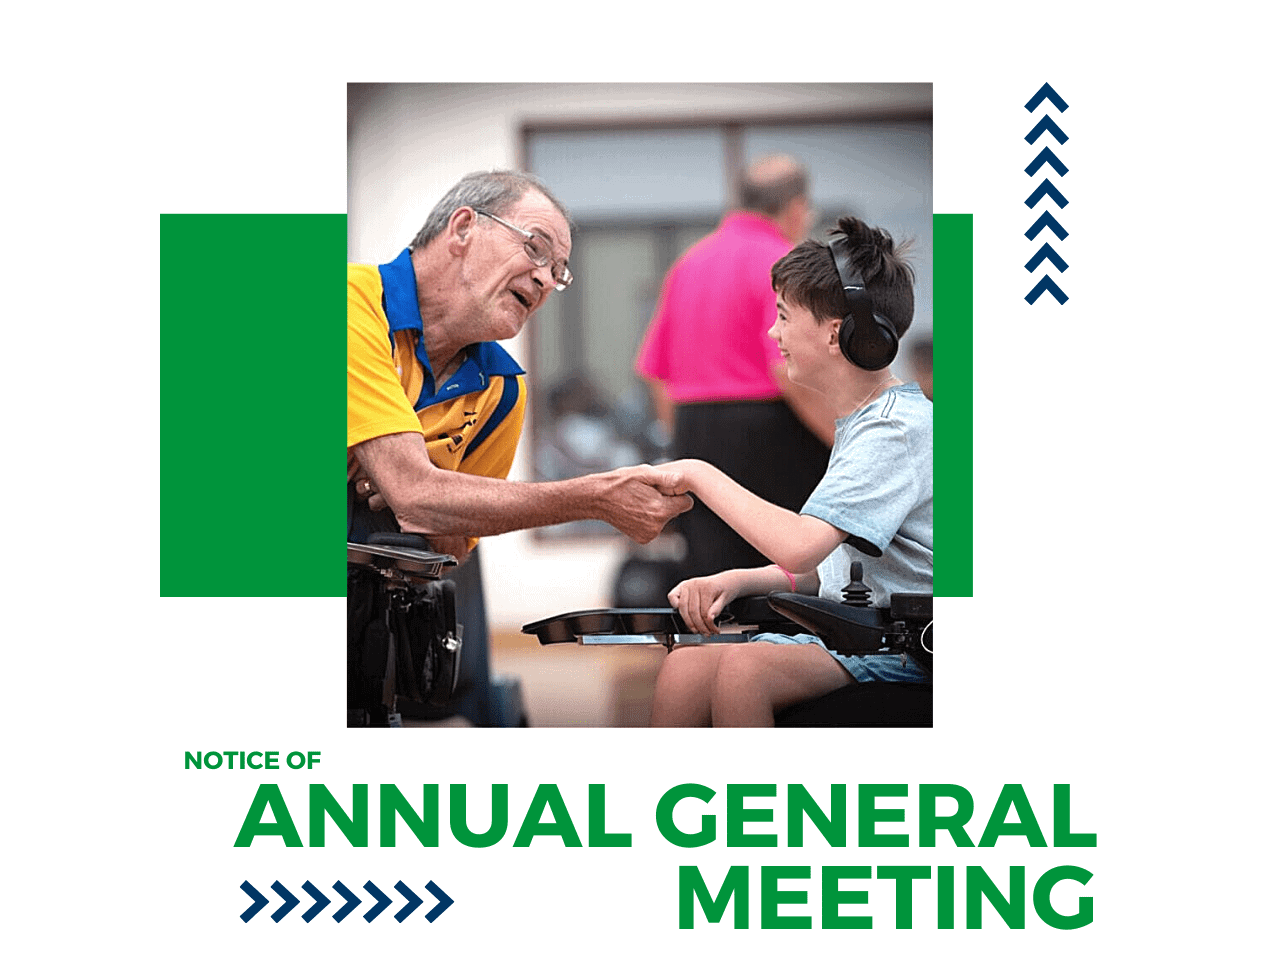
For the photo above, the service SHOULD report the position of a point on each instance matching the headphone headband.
(867, 339)
(850, 276)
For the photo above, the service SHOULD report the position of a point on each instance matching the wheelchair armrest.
(845, 629)
(400, 555)
(865, 630)
(757, 612)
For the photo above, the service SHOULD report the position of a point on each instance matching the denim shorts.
(885, 667)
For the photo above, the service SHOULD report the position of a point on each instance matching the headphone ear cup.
(871, 346)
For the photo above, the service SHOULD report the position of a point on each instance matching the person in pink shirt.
(719, 382)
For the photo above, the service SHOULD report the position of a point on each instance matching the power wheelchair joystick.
(857, 593)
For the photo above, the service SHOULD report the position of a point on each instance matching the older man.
(434, 413)
(435, 407)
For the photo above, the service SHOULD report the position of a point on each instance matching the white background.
(1119, 637)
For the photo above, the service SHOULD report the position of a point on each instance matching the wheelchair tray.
(740, 619)
(656, 625)
(418, 563)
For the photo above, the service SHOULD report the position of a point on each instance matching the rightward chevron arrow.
(259, 901)
(1046, 156)
(1046, 284)
(445, 903)
(383, 902)
(1046, 92)
(1046, 252)
(1046, 124)
(1046, 189)
(321, 901)
(1046, 220)
(412, 901)
(289, 901)
(352, 902)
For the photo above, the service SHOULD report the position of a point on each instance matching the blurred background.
(645, 170)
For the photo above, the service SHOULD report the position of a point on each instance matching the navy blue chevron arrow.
(259, 901)
(445, 903)
(413, 901)
(1047, 252)
(289, 901)
(1046, 284)
(1046, 123)
(1046, 189)
(1046, 156)
(1046, 92)
(321, 901)
(352, 902)
(1046, 220)
(383, 902)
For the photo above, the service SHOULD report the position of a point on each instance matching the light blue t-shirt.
(878, 489)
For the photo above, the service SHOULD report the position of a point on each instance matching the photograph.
(693, 324)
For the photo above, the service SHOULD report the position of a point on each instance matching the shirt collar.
(484, 360)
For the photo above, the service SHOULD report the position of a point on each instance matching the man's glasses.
(539, 251)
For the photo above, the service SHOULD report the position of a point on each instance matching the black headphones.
(867, 339)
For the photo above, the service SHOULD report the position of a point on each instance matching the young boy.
(874, 504)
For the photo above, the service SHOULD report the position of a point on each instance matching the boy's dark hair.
(808, 276)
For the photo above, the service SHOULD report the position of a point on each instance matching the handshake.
(639, 501)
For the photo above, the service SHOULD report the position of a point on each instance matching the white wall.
(408, 144)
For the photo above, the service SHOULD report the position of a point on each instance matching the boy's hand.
(671, 479)
(700, 600)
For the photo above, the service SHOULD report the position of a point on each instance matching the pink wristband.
(789, 578)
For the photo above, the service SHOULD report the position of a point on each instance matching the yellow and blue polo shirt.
(471, 424)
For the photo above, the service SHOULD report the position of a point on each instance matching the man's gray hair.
(772, 182)
(496, 191)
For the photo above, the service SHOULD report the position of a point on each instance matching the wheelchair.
(849, 626)
(403, 639)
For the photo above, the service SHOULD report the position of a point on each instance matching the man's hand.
(638, 503)
(700, 600)
(366, 490)
(457, 547)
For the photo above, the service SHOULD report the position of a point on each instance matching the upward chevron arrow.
(1046, 284)
(1046, 220)
(1047, 92)
(1047, 252)
(1046, 189)
(1046, 124)
(1046, 156)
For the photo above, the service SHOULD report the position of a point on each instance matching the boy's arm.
(702, 599)
(794, 542)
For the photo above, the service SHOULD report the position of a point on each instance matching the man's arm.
(793, 541)
(435, 502)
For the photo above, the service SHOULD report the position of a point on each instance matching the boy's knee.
(740, 666)
(685, 668)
